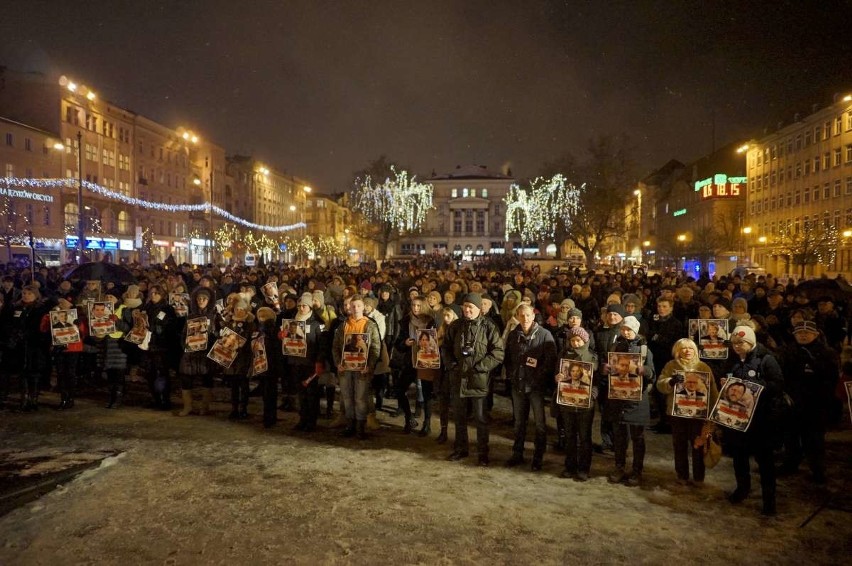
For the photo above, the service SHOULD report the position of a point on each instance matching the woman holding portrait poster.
(688, 434)
(242, 323)
(68, 354)
(578, 420)
(629, 418)
(200, 327)
(754, 363)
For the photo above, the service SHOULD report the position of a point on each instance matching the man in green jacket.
(472, 348)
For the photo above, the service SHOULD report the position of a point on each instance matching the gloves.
(675, 379)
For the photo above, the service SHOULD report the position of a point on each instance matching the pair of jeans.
(480, 415)
(522, 402)
(355, 392)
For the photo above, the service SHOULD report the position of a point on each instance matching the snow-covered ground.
(203, 490)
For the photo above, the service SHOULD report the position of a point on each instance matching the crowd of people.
(749, 361)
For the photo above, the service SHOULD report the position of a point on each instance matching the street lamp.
(681, 239)
(746, 232)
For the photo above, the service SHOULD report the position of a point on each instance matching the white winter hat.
(631, 323)
(745, 334)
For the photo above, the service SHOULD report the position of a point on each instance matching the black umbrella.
(98, 270)
(837, 289)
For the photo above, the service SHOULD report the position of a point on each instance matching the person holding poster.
(811, 371)
(306, 365)
(200, 331)
(160, 320)
(529, 362)
(688, 434)
(68, 353)
(629, 417)
(240, 323)
(754, 363)
(578, 420)
(355, 384)
(418, 319)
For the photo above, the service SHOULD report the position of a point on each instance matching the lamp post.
(746, 232)
(208, 245)
(681, 239)
(638, 194)
(79, 198)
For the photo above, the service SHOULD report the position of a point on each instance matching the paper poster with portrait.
(179, 302)
(63, 327)
(270, 292)
(736, 404)
(139, 334)
(356, 347)
(226, 348)
(101, 321)
(625, 383)
(848, 385)
(690, 398)
(259, 361)
(196, 334)
(294, 338)
(692, 328)
(712, 337)
(425, 350)
(574, 388)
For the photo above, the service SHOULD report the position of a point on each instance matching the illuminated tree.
(815, 244)
(395, 206)
(540, 212)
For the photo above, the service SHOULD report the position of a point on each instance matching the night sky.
(319, 88)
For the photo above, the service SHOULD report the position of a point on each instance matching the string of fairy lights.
(8, 186)
(400, 201)
(534, 212)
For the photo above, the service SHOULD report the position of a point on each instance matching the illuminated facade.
(469, 215)
(30, 153)
(135, 157)
(692, 215)
(800, 177)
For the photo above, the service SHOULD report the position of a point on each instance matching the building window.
(817, 133)
(807, 138)
(465, 193)
(484, 193)
(849, 153)
(806, 165)
(838, 125)
(123, 222)
(837, 188)
(806, 196)
(849, 185)
(10, 170)
(455, 193)
(838, 153)
(480, 222)
(816, 164)
(468, 222)
(457, 221)
(826, 191)
(826, 161)
(826, 130)
(473, 192)
(848, 121)
(10, 139)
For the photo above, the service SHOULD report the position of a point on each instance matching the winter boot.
(63, 402)
(329, 401)
(373, 422)
(442, 438)
(186, 395)
(349, 431)
(206, 398)
(361, 430)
